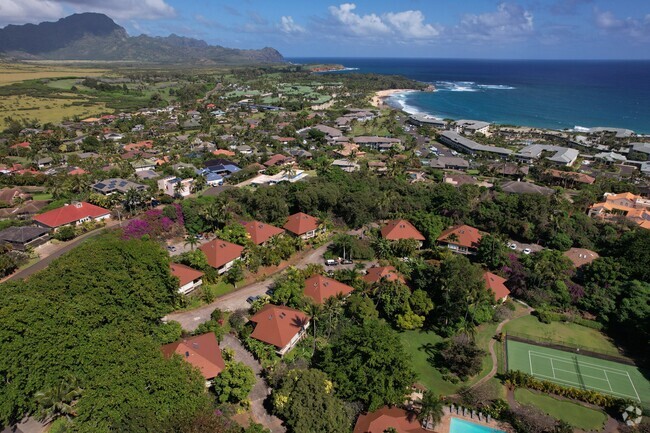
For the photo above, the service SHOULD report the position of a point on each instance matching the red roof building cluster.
(71, 214)
(220, 252)
(202, 351)
(381, 420)
(319, 288)
(400, 229)
(261, 232)
(301, 223)
(278, 325)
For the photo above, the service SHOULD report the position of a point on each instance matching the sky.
(517, 29)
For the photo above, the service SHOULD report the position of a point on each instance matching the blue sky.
(555, 29)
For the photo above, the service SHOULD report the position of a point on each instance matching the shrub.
(65, 233)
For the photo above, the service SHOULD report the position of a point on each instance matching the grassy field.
(47, 109)
(560, 332)
(578, 416)
(16, 72)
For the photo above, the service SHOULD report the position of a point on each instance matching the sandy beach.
(379, 97)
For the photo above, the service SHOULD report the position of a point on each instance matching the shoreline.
(379, 98)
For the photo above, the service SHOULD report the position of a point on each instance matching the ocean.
(556, 94)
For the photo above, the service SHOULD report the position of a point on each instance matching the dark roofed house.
(21, 238)
(279, 326)
(202, 351)
(117, 185)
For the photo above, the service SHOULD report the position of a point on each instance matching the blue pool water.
(461, 426)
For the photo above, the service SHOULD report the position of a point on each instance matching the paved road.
(260, 391)
(236, 300)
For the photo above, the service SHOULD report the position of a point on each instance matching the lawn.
(47, 109)
(562, 333)
(223, 288)
(13, 73)
(578, 416)
(42, 196)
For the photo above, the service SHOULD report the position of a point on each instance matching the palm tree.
(58, 400)
(468, 327)
(313, 310)
(199, 184)
(431, 411)
(192, 241)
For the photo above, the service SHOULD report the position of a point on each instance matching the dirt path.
(260, 391)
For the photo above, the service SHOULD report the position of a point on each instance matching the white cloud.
(366, 25)
(507, 22)
(25, 11)
(124, 9)
(636, 29)
(410, 24)
(287, 25)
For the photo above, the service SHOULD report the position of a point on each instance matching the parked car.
(527, 251)
(346, 262)
(331, 262)
(512, 246)
(269, 292)
(171, 248)
(252, 299)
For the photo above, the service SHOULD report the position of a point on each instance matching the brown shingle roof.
(467, 236)
(220, 252)
(400, 229)
(380, 420)
(277, 325)
(261, 232)
(301, 223)
(319, 288)
(202, 351)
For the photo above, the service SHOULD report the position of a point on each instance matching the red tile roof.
(77, 171)
(70, 214)
(578, 177)
(301, 223)
(23, 145)
(276, 159)
(496, 284)
(467, 236)
(261, 232)
(319, 288)
(184, 273)
(277, 325)
(376, 274)
(400, 229)
(147, 144)
(220, 252)
(202, 351)
(380, 420)
(223, 152)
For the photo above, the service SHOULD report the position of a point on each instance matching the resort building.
(401, 229)
(380, 421)
(260, 232)
(625, 205)
(472, 127)
(563, 156)
(382, 144)
(424, 120)
(496, 285)
(465, 145)
(279, 326)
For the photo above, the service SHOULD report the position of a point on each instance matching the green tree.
(235, 273)
(307, 403)
(234, 383)
(58, 400)
(431, 411)
(492, 252)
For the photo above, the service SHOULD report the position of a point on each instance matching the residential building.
(279, 326)
(202, 351)
(117, 185)
(380, 421)
(221, 255)
(21, 238)
(379, 273)
(461, 239)
(260, 232)
(189, 278)
(580, 256)
(147, 144)
(449, 162)
(213, 179)
(625, 205)
(290, 176)
(302, 225)
(610, 157)
(641, 148)
(571, 176)
(563, 156)
(346, 165)
(401, 229)
(222, 166)
(465, 145)
(424, 120)
(516, 187)
(278, 159)
(472, 127)
(12, 195)
(381, 144)
(175, 186)
(496, 285)
(72, 214)
(319, 288)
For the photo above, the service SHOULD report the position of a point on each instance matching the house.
(465, 145)
(424, 120)
(330, 133)
(449, 162)
(75, 213)
(44, 162)
(461, 239)
(319, 288)
(11, 195)
(290, 176)
(147, 144)
(223, 152)
(401, 229)
(563, 156)
(189, 278)
(610, 157)
(472, 127)
(279, 326)
(457, 179)
(381, 144)
(495, 284)
(221, 254)
(509, 169)
(21, 238)
(117, 185)
(349, 149)
(260, 232)
(346, 165)
(202, 351)
(626, 205)
(244, 149)
(175, 186)
(380, 421)
(580, 256)
(379, 273)
(571, 176)
(516, 187)
(278, 159)
(302, 225)
(221, 166)
(213, 179)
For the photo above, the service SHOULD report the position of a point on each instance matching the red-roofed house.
(279, 326)
(278, 159)
(378, 273)
(261, 232)
(381, 420)
(189, 278)
(495, 284)
(23, 145)
(400, 229)
(77, 172)
(460, 239)
(221, 254)
(223, 152)
(75, 213)
(147, 144)
(319, 288)
(303, 225)
(202, 351)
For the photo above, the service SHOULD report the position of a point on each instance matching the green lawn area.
(223, 288)
(560, 332)
(577, 415)
(42, 196)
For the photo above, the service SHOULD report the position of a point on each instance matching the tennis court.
(579, 371)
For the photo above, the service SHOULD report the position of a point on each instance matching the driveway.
(260, 391)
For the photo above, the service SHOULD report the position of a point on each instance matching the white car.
(512, 246)
(527, 251)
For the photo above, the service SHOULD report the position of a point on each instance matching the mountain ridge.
(95, 36)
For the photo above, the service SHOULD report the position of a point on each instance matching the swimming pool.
(461, 426)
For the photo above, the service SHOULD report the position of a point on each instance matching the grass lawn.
(42, 196)
(560, 332)
(223, 288)
(577, 415)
